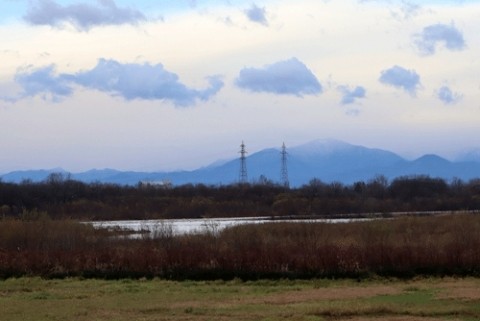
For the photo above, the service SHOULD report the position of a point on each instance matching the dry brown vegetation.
(402, 247)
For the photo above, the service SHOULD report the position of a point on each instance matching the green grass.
(74, 299)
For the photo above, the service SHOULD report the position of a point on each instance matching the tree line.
(61, 197)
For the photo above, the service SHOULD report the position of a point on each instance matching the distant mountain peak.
(322, 146)
(103, 170)
(431, 158)
(327, 142)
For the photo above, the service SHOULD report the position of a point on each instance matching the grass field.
(427, 299)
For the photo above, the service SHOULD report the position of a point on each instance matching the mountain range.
(327, 160)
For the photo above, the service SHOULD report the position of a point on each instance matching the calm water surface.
(185, 226)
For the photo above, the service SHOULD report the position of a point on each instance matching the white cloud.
(83, 16)
(433, 35)
(350, 95)
(447, 96)
(400, 77)
(257, 14)
(288, 77)
(143, 81)
(130, 81)
(42, 81)
(406, 10)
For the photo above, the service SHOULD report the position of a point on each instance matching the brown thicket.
(401, 247)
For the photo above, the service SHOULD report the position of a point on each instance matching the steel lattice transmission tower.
(243, 164)
(284, 169)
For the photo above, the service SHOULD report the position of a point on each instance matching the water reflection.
(186, 226)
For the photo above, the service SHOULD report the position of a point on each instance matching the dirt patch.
(386, 318)
(297, 296)
(462, 289)
(326, 294)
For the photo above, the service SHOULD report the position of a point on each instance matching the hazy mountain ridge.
(328, 160)
(469, 156)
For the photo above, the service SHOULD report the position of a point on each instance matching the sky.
(165, 85)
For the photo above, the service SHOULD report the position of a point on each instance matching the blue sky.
(163, 85)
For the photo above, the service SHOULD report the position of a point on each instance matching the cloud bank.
(288, 77)
(130, 81)
(436, 34)
(83, 16)
(257, 14)
(350, 95)
(402, 78)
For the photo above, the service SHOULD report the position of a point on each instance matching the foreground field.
(74, 299)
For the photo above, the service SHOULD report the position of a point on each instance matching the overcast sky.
(162, 85)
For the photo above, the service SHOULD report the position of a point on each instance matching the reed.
(401, 247)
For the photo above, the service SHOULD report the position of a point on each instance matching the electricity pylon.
(284, 170)
(243, 164)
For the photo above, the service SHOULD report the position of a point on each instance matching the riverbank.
(35, 299)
